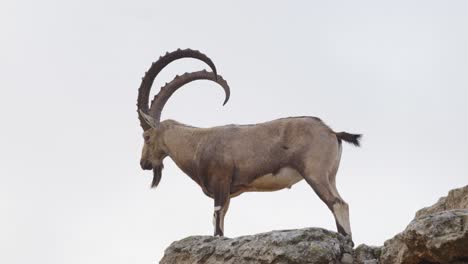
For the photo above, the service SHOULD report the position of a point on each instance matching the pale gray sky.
(72, 191)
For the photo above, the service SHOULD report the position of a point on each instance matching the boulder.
(438, 234)
(456, 199)
(310, 245)
(436, 238)
(365, 254)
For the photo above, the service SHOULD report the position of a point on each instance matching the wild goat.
(229, 160)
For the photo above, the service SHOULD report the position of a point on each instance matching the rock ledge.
(310, 245)
(437, 235)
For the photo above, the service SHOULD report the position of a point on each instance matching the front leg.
(216, 175)
(221, 205)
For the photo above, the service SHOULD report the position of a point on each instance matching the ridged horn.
(167, 90)
(156, 68)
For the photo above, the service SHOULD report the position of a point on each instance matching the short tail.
(350, 138)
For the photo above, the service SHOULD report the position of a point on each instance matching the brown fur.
(224, 161)
(228, 160)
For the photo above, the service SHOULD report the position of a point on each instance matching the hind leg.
(318, 178)
(334, 170)
(343, 211)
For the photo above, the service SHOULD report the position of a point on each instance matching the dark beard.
(157, 171)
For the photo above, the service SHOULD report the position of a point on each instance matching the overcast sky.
(72, 191)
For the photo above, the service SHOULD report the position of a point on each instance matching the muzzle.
(146, 165)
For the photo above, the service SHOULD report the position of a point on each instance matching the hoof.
(349, 240)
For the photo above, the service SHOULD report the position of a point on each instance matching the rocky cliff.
(438, 234)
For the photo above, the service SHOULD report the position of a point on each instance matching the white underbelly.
(284, 178)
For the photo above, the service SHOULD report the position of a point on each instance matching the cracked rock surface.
(438, 234)
(456, 199)
(310, 245)
(435, 238)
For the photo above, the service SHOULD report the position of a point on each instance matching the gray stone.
(438, 234)
(435, 238)
(365, 254)
(347, 259)
(311, 245)
(456, 199)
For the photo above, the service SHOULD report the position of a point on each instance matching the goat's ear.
(148, 119)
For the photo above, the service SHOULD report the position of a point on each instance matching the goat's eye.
(146, 138)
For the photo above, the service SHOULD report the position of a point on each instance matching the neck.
(181, 144)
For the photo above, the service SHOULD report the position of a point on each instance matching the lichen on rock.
(310, 245)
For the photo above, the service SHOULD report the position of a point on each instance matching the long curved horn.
(167, 90)
(156, 67)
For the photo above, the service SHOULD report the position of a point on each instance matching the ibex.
(226, 161)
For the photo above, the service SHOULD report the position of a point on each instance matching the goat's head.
(154, 150)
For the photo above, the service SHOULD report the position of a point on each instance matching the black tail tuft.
(350, 138)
